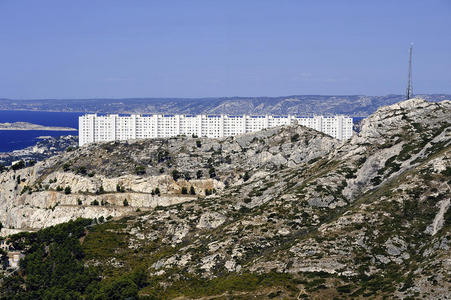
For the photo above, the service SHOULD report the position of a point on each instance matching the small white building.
(14, 258)
(100, 128)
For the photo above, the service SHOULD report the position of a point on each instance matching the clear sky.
(94, 48)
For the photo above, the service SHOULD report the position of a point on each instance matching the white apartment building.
(99, 128)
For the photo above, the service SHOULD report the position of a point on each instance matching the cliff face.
(366, 217)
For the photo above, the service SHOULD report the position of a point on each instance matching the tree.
(125, 202)
(95, 203)
(66, 167)
(4, 262)
(67, 190)
(246, 176)
(157, 191)
(79, 202)
(140, 170)
(175, 175)
(18, 165)
(100, 190)
(192, 191)
(184, 190)
(198, 144)
(199, 174)
(212, 172)
(187, 176)
(82, 170)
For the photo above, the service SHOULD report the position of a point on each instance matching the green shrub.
(175, 175)
(67, 190)
(246, 176)
(140, 170)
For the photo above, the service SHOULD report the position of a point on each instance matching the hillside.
(353, 105)
(293, 213)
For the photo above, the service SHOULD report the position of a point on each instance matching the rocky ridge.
(110, 173)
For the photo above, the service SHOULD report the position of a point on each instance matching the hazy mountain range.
(354, 105)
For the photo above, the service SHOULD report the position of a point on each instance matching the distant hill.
(354, 105)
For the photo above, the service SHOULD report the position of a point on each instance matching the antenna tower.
(409, 92)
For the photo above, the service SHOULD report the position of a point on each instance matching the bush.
(19, 165)
(157, 191)
(67, 190)
(175, 175)
(119, 188)
(212, 172)
(66, 167)
(246, 176)
(140, 170)
(81, 170)
(100, 190)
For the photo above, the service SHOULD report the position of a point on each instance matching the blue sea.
(18, 139)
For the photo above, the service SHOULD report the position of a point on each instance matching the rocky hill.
(283, 213)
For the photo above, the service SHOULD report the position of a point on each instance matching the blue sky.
(93, 48)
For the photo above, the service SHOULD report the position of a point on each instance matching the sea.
(18, 139)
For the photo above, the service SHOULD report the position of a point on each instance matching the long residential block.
(99, 128)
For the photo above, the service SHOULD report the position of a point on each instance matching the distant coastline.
(31, 126)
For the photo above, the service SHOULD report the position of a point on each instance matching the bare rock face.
(210, 220)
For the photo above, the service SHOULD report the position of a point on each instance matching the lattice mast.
(409, 92)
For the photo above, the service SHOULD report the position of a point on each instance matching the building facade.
(100, 128)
